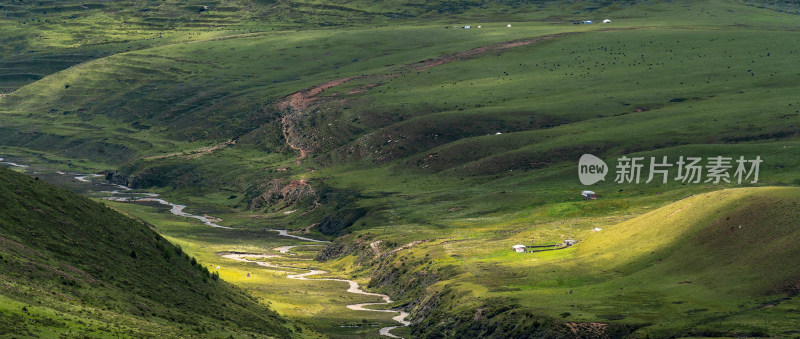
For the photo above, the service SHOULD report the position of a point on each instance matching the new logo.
(591, 169)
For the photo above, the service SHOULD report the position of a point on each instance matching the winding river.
(353, 286)
(12, 164)
(176, 209)
(247, 257)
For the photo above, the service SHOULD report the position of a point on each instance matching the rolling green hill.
(74, 267)
(425, 150)
(716, 264)
(46, 36)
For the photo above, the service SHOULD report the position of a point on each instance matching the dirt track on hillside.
(448, 58)
(300, 101)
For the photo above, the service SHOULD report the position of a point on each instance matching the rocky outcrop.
(279, 194)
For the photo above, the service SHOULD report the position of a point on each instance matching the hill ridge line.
(301, 100)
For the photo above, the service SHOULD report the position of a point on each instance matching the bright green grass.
(418, 151)
(47, 36)
(71, 265)
(652, 269)
(318, 306)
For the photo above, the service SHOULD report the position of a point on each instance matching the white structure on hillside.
(519, 248)
(589, 195)
(607, 21)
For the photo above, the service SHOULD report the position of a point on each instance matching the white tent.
(607, 21)
(519, 248)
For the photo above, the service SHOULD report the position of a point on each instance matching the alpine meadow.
(399, 169)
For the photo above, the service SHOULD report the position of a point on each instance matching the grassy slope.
(442, 174)
(318, 307)
(43, 37)
(162, 104)
(71, 265)
(719, 263)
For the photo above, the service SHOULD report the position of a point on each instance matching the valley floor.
(629, 268)
(365, 168)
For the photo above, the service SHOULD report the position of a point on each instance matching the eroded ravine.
(297, 103)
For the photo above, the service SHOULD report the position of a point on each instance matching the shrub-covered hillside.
(71, 266)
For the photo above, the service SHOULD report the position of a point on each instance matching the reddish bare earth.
(300, 101)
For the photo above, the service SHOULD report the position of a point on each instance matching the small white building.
(589, 195)
(509, 25)
(519, 248)
(466, 27)
(607, 21)
(569, 242)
